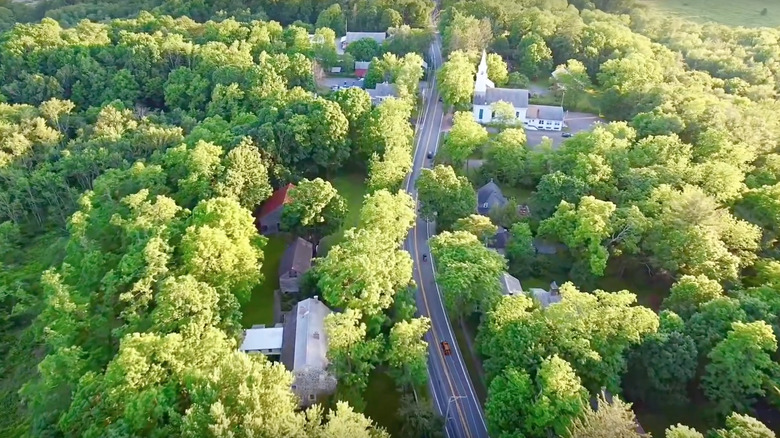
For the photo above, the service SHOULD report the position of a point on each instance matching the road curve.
(450, 383)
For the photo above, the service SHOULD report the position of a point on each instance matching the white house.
(486, 94)
(544, 117)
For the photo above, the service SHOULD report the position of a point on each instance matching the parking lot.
(341, 82)
(575, 122)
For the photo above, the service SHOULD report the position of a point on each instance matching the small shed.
(296, 260)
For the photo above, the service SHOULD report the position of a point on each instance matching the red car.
(445, 346)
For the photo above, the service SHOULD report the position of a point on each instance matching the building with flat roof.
(260, 339)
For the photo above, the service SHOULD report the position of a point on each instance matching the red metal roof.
(279, 198)
(361, 73)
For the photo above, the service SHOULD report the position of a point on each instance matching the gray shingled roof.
(288, 338)
(544, 112)
(297, 256)
(501, 238)
(517, 97)
(383, 90)
(545, 297)
(510, 284)
(545, 247)
(489, 196)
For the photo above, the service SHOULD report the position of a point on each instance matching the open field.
(352, 187)
(382, 401)
(260, 308)
(733, 13)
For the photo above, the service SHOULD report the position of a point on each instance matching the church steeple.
(482, 83)
(483, 65)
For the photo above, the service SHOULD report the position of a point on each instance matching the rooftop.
(489, 196)
(297, 257)
(510, 284)
(311, 343)
(262, 339)
(545, 112)
(279, 198)
(383, 90)
(544, 297)
(517, 97)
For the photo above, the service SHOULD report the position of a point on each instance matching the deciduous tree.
(445, 197)
(741, 366)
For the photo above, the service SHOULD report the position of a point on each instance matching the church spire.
(482, 82)
(483, 64)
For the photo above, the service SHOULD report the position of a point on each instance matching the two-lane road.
(450, 384)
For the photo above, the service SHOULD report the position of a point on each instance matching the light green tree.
(503, 113)
(407, 352)
(315, 209)
(464, 138)
(444, 196)
(741, 366)
(467, 272)
(480, 226)
(455, 80)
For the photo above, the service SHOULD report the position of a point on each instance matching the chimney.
(554, 290)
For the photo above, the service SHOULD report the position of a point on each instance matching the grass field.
(733, 13)
(352, 187)
(260, 308)
(382, 401)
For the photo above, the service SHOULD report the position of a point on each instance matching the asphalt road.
(450, 384)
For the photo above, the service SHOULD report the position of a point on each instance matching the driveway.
(575, 122)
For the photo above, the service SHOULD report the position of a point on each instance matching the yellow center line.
(436, 338)
(425, 298)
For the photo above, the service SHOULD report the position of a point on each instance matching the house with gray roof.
(382, 92)
(510, 285)
(351, 37)
(549, 118)
(295, 261)
(486, 95)
(489, 196)
(301, 344)
(546, 297)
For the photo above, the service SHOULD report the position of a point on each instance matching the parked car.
(445, 346)
(440, 100)
(335, 88)
(566, 134)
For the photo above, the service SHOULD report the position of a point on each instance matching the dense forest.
(133, 154)
(679, 191)
(137, 137)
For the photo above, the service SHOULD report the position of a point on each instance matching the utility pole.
(452, 399)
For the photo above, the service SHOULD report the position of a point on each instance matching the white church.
(535, 117)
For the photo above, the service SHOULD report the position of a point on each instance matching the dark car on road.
(430, 155)
(566, 135)
(445, 346)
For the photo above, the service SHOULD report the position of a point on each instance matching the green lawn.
(353, 188)
(519, 194)
(382, 402)
(260, 308)
(734, 13)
